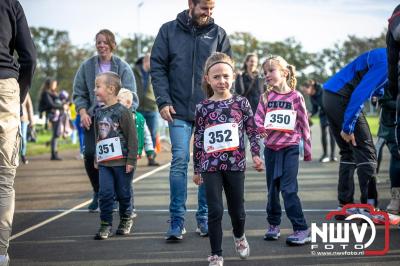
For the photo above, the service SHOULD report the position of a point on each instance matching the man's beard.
(199, 21)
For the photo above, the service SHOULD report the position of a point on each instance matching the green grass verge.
(42, 144)
(373, 122)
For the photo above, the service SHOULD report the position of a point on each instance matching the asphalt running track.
(52, 226)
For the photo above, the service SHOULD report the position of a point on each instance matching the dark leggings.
(325, 130)
(233, 185)
(90, 156)
(54, 138)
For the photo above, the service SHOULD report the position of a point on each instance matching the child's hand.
(96, 166)
(263, 135)
(128, 168)
(258, 165)
(262, 132)
(197, 180)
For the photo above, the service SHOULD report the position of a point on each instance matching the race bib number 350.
(109, 149)
(223, 137)
(280, 120)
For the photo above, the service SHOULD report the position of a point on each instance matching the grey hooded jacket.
(84, 83)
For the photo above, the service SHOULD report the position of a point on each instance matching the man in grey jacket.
(180, 50)
(16, 75)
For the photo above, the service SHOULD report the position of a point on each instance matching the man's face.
(202, 12)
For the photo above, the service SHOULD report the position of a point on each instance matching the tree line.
(58, 58)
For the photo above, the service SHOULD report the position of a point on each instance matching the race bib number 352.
(223, 137)
(280, 120)
(109, 149)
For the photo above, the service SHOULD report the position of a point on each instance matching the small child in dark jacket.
(116, 151)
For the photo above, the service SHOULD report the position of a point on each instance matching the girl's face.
(102, 46)
(220, 77)
(251, 64)
(53, 85)
(275, 76)
(102, 91)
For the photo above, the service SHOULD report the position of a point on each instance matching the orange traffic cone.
(158, 144)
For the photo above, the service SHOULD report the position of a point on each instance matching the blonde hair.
(112, 79)
(213, 59)
(283, 64)
(125, 94)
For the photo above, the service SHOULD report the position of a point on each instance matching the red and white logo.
(350, 236)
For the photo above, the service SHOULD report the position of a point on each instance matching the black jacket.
(177, 61)
(393, 90)
(317, 106)
(251, 88)
(15, 36)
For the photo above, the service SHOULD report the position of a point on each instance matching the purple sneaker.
(273, 233)
(299, 237)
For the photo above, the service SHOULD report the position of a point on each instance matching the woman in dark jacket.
(250, 84)
(51, 104)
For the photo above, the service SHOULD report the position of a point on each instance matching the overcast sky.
(317, 24)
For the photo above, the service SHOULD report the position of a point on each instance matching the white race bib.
(280, 120)
(109, 149)
(222, 137)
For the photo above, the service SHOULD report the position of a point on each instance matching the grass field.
(42, 144)
(373, 122)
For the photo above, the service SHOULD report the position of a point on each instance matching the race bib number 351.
(223, 137)
(109, 149)
(280, 120)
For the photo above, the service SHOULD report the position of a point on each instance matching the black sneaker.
(152, 162)
(124, 227)
(104, 231)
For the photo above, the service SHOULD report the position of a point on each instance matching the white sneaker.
(242, 247)
(215, 260)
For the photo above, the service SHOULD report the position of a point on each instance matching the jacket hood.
(186, 22)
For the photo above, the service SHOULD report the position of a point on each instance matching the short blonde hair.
(125, 94)
(112, 79)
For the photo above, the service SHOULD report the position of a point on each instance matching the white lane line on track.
(162, 210)
(77, 207)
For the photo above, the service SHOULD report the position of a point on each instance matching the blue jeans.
(180, 133)
(152, 123)
(79, 128)
(282, 169)
(114, 182)
(24, 141)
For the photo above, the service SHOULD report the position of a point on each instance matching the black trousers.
(361, 157)
(233, 185)
(90, 156)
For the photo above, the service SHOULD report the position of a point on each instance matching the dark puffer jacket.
(177, 61)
